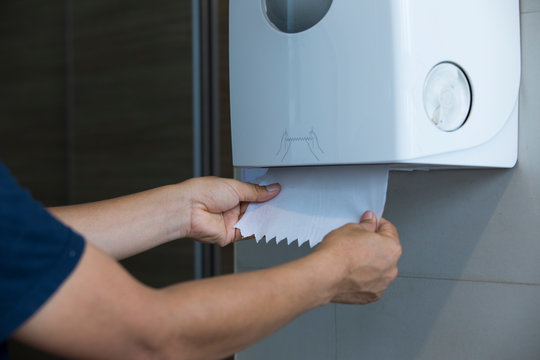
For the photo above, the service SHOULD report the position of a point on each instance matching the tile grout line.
(419, 277)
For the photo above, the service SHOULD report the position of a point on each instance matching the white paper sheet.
(314, 201)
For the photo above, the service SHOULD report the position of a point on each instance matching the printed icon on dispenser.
(311, 141)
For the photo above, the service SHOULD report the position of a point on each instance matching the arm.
(130, 224)
(101, 312)
(204, 208)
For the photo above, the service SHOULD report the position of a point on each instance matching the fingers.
(237, 235)
(369, 221)
(386, 228)
(255, 193)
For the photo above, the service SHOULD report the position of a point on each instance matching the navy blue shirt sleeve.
(37, 253)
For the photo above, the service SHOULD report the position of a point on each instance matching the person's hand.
(217, 204)
(367, 257)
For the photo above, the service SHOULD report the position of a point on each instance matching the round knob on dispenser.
(447, 96)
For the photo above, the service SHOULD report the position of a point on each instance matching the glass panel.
(133, 112)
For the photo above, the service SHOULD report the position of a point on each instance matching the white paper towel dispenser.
(412, 83)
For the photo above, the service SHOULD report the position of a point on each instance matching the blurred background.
(105, 98)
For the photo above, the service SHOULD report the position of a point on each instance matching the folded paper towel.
(313, 201)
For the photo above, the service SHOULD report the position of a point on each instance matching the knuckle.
(394, 251)
(375, 297)
(354, 227)
(344, 230)
(394, 273)
(235, 187)
(254, 190)
(398, 251)
(207, 179)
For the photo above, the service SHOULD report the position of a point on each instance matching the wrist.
(178, 210)
(328, 271)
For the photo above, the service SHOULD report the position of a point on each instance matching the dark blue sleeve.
(37, 253)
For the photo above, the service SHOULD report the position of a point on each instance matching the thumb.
(369, 221)
(255, 193)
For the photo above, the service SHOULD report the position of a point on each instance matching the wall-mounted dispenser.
(412, 83)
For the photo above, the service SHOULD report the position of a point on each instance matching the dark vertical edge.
(206, 113)
(214, 81)
(70, 99)
(205, 95)
(206, 150)
(197, 121)
(196, 66)
(226, 168)
(215, 131)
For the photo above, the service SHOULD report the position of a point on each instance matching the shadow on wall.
(441, 216)
(435, 215)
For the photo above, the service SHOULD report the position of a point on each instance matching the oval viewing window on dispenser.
(447, 96)
(294, 16)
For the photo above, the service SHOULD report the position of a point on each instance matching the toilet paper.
(313, 201)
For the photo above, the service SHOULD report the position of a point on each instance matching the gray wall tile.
(530, 5)
(437, 319)
(311, 336)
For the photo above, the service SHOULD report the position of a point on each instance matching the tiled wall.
(469, 285)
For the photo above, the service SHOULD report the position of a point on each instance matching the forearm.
(130, 224)
(213, 318)
(101, 312)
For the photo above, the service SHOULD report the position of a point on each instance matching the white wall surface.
(469, 284)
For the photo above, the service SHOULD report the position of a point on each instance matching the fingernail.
(368, 215)
(273, 188)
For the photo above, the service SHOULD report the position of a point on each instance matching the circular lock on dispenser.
(447, 96)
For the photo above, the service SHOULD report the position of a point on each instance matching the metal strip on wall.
(206, 145)
(70, 99)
